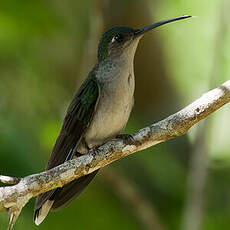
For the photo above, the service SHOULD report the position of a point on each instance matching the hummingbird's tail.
(58, 198)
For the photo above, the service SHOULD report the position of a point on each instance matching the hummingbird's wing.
(77, 119)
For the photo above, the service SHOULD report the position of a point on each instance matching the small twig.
(9, 179)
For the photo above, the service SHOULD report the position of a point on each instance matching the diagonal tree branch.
(13, 198)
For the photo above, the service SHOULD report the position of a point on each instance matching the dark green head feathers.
(114, 40)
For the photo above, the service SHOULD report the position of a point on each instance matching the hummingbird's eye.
(118, 38)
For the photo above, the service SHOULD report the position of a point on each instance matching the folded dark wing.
(76, 121)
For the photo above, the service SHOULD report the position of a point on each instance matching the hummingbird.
(98, 112)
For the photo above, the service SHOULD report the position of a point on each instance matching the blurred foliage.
(46, 50)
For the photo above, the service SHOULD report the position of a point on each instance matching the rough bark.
(13, 198)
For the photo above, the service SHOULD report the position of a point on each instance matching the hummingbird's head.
(124, 40)
(115, 42)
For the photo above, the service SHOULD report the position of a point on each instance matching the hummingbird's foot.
(77, 154)
(127, 138)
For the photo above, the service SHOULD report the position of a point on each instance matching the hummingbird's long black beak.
(145, 29)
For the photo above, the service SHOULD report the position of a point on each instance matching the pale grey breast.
(115, 103)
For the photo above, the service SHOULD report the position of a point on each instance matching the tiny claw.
(127, 138)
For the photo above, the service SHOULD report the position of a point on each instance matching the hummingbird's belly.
(107, 122)
(112, 114)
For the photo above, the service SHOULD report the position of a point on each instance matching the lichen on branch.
(14, 198)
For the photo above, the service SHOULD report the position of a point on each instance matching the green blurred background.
(47, 48)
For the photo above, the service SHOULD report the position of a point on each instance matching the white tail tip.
(43, 212)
